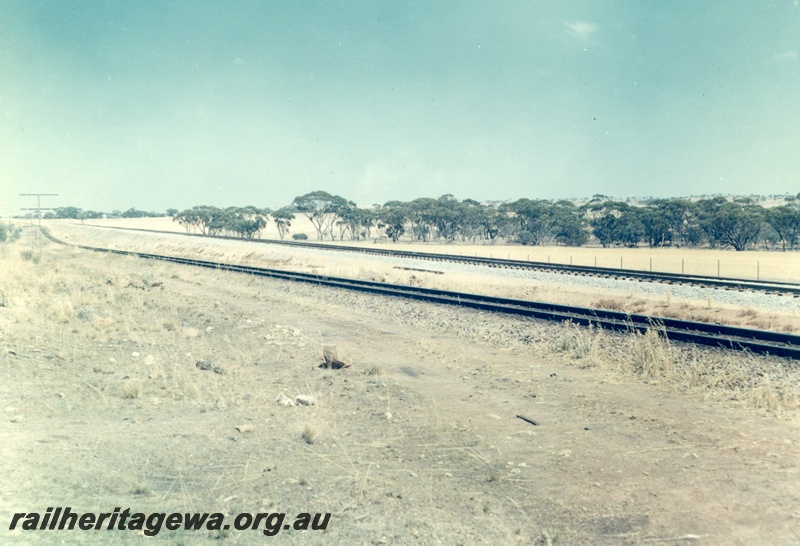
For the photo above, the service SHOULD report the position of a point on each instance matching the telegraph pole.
(38, 208)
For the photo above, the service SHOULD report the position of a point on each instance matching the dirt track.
(418, 443)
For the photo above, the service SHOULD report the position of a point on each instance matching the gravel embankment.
(758, 300)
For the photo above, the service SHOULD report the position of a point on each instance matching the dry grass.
(628, 304)
(647, 354)
(609, 303)
(651, 355)
(132, 389)
(580, 343)
(772, 398)
(758, 382)
(308, 434)
(67, 306)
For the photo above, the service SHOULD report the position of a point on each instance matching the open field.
(765, 265)
(110, 398)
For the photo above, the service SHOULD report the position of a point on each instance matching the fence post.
(718, 269)
(595, 261)
(651, 265)
(570, 260)
(620, 262)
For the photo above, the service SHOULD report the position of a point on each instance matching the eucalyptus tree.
(283, 220)
(735, 224)
(542, 222)
(656, 227)
(245, 222)
(420, 216)
(354, 221)
(392, 217)
(615, 223)
(682, 217)
(321, 208)
(785, 220)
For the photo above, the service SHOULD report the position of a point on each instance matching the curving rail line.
(715, 335)
(724, 283)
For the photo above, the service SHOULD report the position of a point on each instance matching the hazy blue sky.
(155, 104)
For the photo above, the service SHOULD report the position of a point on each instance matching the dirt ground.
(111, 398)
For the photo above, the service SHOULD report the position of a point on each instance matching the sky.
(159, 104)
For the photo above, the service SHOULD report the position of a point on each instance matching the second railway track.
(715, 335)
(723, 283)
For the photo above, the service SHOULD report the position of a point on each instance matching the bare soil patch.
(418, 442)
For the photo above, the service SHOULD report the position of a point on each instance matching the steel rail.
(725, 283)
(715, 335)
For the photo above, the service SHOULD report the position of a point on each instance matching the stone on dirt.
(335, 357)
(207, 366)
(305, 400)
(284, 400)
(189, 332)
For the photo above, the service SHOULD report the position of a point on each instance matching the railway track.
(723, 283)
(714, 335)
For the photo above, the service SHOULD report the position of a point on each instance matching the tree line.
(76, 213)
(716, 222)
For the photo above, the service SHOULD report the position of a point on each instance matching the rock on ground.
(335, 357)
(305, 400)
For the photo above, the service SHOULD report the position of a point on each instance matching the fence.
(756, 265)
